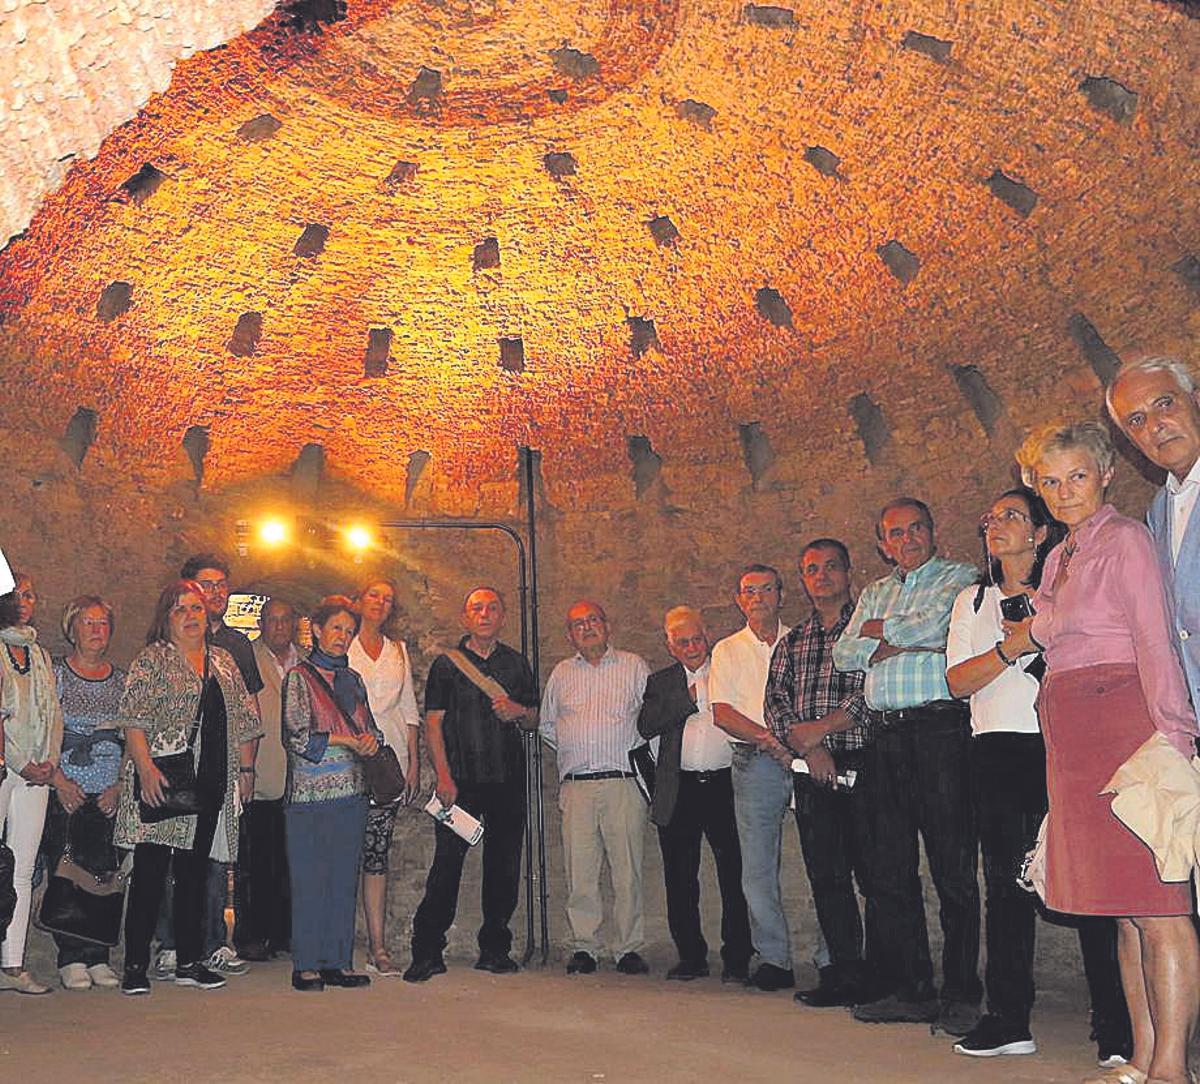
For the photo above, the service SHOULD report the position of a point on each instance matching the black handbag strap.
(351, 722)
(198, 719)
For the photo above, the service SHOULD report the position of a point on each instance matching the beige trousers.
(603, 818)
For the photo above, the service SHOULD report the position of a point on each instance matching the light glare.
(358, 538)
(273, 532)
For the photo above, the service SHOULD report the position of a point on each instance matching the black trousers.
(150, 864)
(91, 847)
(836, 839)
(501, 807)
(262, 897)
(704, 808)
(922, 787)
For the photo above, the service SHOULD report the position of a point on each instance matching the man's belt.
(588, 777)
(710, 775)
(890, 717)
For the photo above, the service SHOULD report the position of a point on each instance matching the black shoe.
(738, 973)
(498, 963)
(632, 964)
(921, 1008)
(834, 989)
(993, 1036)
(424, 970)
(199, 976)
(254, 952)
(958, 1017)
(134, 981)
(339, 976)
(769, 977)
(299, 982)
(582, 963)
(686, 970)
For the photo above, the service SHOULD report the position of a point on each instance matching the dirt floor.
(471, 1026)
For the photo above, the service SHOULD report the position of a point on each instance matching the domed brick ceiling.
(727, 231)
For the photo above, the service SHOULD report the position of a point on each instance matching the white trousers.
(23, 814)
(603, 818)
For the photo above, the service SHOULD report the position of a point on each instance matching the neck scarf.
(345, 688)
(43, 705)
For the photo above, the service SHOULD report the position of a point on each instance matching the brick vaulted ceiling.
(688, 231)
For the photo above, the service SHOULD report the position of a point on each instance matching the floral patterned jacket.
(162, 694)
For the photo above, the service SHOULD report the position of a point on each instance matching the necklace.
(18, 667)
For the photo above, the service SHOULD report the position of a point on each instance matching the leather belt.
(890, 717)
(709, 776)
(587, 777)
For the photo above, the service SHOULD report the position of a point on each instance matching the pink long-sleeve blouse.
(1113, 609)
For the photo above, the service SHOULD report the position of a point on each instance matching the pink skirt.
(1093, 719)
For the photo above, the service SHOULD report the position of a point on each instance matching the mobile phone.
(1016, 608)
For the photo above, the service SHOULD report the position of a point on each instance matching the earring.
(1029, 539)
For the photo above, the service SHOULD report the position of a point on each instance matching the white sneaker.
(103, 976)
(23, 982)
(75, 977)
(164, 964)
(226, 962)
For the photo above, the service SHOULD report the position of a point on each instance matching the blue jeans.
(762, 791)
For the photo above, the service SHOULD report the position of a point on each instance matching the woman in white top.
(381, 659)
(1008, 767)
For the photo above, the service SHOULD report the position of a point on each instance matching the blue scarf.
(346, 689)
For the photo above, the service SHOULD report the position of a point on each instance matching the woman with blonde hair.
(1113, 679)
(379, 656)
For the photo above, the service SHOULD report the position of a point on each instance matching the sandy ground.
(471, 1026)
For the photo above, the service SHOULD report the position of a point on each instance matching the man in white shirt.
(589, 714)
(1154, 401)
(762, 777)
(693, 798)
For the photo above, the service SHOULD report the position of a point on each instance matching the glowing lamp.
(273, 532)
(358, 538)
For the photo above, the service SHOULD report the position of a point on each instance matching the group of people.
(942, 705)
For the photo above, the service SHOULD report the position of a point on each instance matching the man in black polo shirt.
(478, 757)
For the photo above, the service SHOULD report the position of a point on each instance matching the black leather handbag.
(182, 794)
(8, 894)
(81, 904)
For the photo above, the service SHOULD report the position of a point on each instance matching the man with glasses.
(762, 774)
(897, 636)
(589, 715)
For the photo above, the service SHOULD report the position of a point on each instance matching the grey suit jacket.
(666, 707)
(1182, 578)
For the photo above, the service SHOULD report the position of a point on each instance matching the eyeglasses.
(753, 590)
(213, 585)
(587, 622)
(1006, 515)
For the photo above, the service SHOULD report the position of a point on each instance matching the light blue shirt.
(915, 608)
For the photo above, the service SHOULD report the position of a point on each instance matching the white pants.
(23, 812)
(603, 818)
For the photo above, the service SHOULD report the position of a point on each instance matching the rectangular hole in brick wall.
(769, 15)
(312, 241)
(402, 173)
(823, 161)
(772, 307)
(663, 230)
(486, 254)
(417, 462)
(698, 113)
(979, 395)
(871, 424)
(307, 16)
(756, 451)
(1102, 358)
(259, 128)
(1108, 96)
(143, 184)
(512, 354)
(426, 89)
(1021, 198)
(927, 45)
(195, 445)
(379, 349)
(647, 463)
(902, 263)
(1188, 269)
(246, 334)
(574, 64)
(642, 335)
(559, 164)
(115, 300)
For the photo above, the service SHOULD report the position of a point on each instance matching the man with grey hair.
(1154, 401)
(693, 798)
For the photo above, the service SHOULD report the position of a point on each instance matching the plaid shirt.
(916, 613)
(803, 685)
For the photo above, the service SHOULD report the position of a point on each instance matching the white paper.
(457, 819)
(800, 767)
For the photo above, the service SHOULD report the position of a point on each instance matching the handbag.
(84, 905)
(382, 775)
(182, 793)
(8, 894)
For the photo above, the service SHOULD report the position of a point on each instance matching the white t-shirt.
(1007, 703)
(389, 691)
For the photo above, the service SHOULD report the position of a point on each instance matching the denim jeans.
(762, 791)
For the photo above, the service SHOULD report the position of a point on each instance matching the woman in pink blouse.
(1113, 679)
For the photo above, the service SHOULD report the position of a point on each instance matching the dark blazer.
(666, 706)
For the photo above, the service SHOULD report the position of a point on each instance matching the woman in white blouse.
(381, 659)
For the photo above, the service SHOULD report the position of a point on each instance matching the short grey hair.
(680, 613)
(1058, 436)
(1156, 363)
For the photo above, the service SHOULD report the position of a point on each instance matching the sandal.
(380, 963)
(1118, 1074)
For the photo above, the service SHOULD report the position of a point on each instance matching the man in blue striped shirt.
(589, 714)
(897, 635)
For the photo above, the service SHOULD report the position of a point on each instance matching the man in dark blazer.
(693, 797)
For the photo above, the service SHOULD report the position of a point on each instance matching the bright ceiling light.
(358, 538)
(273, 532)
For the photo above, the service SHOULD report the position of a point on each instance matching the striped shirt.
(589, 713)
(915, 608)
(804, 686)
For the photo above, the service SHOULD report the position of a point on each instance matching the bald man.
(693, 798)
